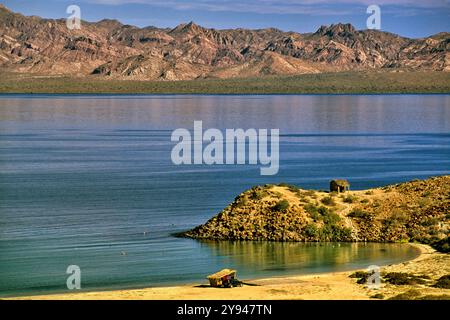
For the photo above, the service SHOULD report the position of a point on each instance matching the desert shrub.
(362, 276)
(424, 202)
(426, 194)
(331, 232)
(430, 222)
(290, 187)
(358, 274)
(326, 233)
(281, 205)
(329, 217)
(240, 201)
(443, 282)
(401, 278)
(316, 216)
(258, 194)
(323, 210)
(362, 280)
(342, 233)
(399, 216)
(277, 194)
(322, 213)
(311, 209)
(364, 201)
(311, 231)
(369, 192)
(303, 199)
(408, 295)
(397, 219)
(328, 201)
(378, 296)
(350, 199)
(359, 214)
(376, 204)
(414, 294)
(310, 193)
(435, 297)
(442, 245)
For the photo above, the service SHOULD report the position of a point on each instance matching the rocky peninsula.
(415, 211)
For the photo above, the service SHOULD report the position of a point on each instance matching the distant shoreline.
(331, 285)
(362, 82)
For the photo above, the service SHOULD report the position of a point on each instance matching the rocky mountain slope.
(413, 211)
(113, 50)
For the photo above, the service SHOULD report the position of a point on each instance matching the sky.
(409, 18)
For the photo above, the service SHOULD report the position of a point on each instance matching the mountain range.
(110, 49)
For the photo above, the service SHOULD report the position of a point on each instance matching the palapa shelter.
(224, 278)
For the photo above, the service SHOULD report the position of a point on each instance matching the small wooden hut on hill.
(339, 185)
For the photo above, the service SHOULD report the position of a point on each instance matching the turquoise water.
(88, 180)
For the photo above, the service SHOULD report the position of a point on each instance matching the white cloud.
(311, 7)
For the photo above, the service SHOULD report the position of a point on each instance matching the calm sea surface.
(88, 180)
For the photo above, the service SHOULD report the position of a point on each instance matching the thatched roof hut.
(223, 278)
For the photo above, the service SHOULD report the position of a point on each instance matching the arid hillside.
(115, 51)
(414, 211)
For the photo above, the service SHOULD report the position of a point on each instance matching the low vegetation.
(328, 201)
(361, 276)
(394, 278)
(258, 193)
(414, 294)
(378, 296)
(281, 205)
(403, 278)
(290, 187)
(406, 279)
(442, 245)
(359, 214)
(337, 82)
(350, 199)
(443, 282)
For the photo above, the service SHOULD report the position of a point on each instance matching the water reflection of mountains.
(291, 256)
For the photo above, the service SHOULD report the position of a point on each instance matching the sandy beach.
(333, 286)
